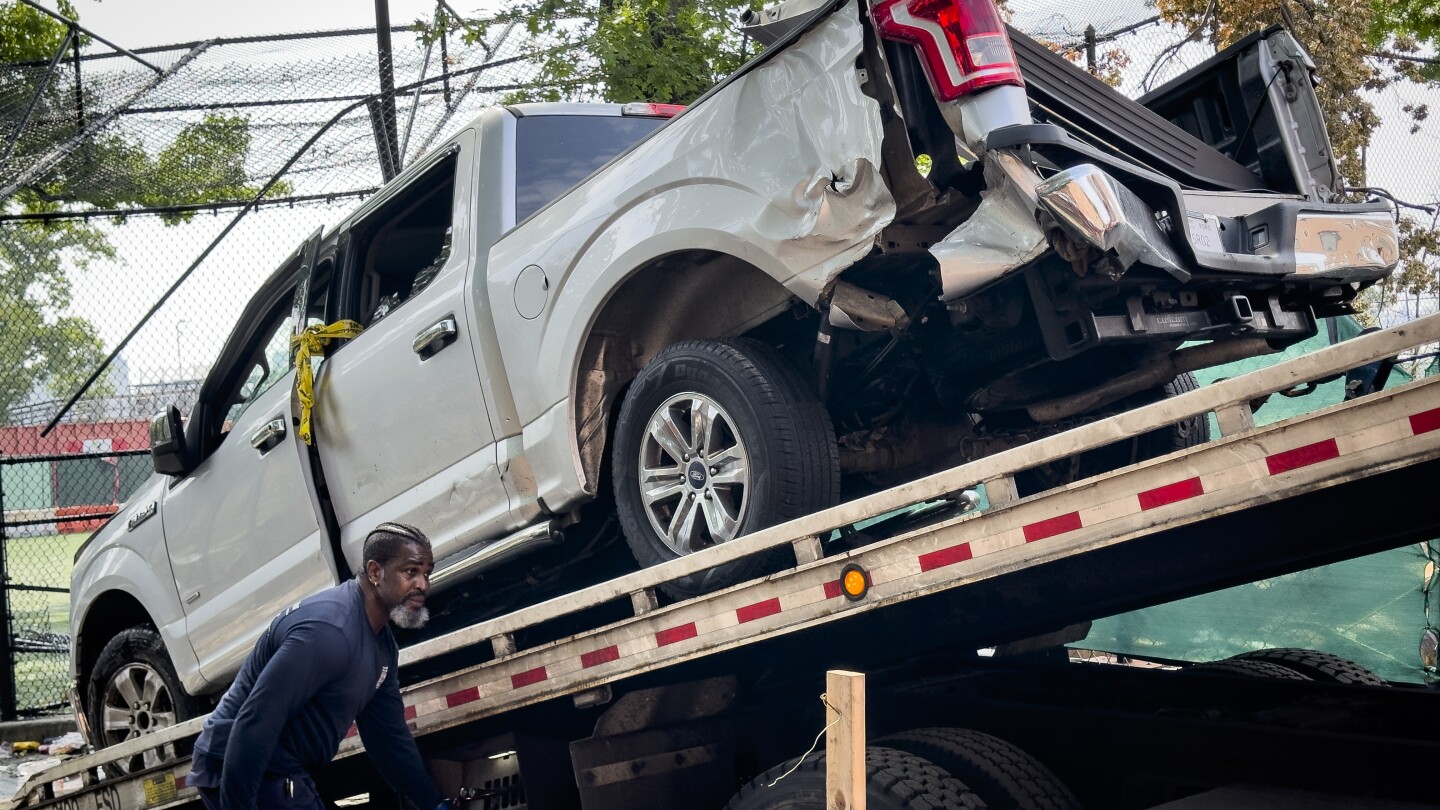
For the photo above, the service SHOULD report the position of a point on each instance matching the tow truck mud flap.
(677, 741)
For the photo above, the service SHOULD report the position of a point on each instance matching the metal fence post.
(7, 634)
(1091, 62)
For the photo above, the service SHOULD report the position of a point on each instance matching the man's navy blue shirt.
(318, 668)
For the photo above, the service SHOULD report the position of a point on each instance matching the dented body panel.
(778, 168)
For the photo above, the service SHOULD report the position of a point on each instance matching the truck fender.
(121, 570)
(606, 339)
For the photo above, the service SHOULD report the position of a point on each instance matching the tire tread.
(1004, 775)
(895, 780)
(1315, 665)
(804, 457)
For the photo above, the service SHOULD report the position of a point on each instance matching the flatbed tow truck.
(607, 698)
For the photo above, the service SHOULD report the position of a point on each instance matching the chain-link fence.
(144, 196)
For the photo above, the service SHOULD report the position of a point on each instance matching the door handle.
(435, 337)
(268, 436)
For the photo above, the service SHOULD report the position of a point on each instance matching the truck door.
(241, 528)
(400, 417)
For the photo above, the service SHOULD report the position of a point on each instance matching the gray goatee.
(409, 618)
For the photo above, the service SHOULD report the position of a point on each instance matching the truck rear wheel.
(716, 439)
(1182, 435)
(894, 780)
(1004, 776)
(1315, 665)
(133, 691)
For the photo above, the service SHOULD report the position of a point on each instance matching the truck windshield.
(555, 152)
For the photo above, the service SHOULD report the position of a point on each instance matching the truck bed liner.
(1097, 112)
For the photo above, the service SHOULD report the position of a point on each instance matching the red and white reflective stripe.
(1170, 493)
(1314, 453)
(1425, 422)
(925, 559)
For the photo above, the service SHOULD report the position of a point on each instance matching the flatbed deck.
(1253, 503)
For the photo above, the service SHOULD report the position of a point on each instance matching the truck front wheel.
(716, 439)
(133, 691)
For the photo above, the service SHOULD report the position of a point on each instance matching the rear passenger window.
(553, 153)
(400, 248)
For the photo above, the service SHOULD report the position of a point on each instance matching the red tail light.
(652, 110)
(962, 43)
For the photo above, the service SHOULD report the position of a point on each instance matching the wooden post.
(844, 740)
(1001, 491)
(1234, 419)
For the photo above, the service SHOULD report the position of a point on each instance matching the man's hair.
(385, 542)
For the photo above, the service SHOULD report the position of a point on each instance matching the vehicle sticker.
(1205, 232)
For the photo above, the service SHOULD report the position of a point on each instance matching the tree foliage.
(41, 346)
(667, 51)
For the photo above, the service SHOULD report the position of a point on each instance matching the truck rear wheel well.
(111, 613)
(705, 294)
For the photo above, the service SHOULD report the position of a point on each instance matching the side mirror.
(167, 442)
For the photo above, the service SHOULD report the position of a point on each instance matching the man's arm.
(392, 748)
(310, 656)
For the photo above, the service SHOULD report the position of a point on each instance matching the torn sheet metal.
(1094, 208)
(1001, 236)
(852, 307)
(807, 141)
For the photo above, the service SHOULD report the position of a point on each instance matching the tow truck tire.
(894, 780)
(1004, 776)
(1316, 665)
(134, 682)
(1182, 435)
(768, 456)
(1248, 668)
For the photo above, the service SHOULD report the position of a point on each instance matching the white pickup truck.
(899, 238)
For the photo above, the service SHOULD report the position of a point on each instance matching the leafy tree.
(40, 346)
(1399, 19)
(37, 346)
(667, 51)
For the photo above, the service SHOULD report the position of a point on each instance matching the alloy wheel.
(694, 473)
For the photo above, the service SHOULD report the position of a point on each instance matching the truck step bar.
(1130, 516)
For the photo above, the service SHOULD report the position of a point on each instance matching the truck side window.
(403, 246)
(553, 153)
(269, 359)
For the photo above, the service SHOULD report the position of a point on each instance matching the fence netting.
(119, 170)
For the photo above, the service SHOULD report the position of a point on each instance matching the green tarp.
(1370, 610)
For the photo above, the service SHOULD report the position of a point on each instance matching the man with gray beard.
(324, 663)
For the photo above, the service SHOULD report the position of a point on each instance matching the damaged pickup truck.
(900, 238)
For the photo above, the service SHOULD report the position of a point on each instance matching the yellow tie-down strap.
(305, 345)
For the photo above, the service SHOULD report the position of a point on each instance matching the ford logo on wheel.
(697, 475)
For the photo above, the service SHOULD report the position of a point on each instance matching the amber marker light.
(854, 582)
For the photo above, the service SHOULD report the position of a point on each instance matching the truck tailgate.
(1095, 111)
